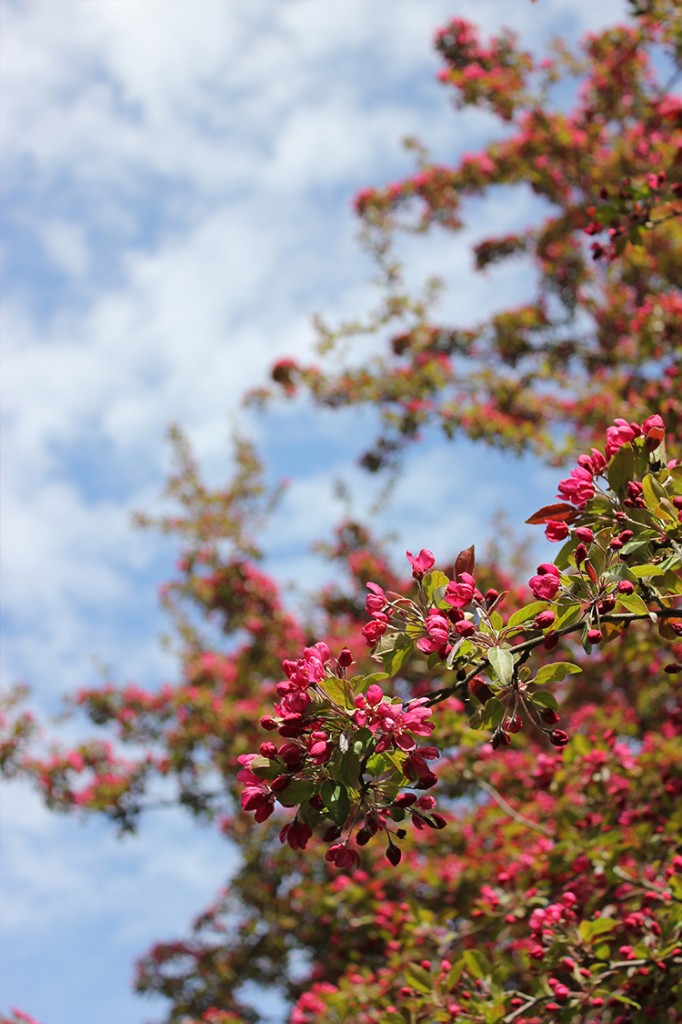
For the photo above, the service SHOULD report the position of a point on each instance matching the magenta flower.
(546, 584)
(376, 599)
(460, 592)
(556, 531)
(437, 631)
(421, 564)
(390, 720)
(577, 488)
(620, 433)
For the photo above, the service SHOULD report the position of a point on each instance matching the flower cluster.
(348, 749)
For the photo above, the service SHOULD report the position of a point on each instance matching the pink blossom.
(308, 669)
(556, 531)
(416, 768)
(342, 855)
(577, 488)
(421, 564)
(594, 463)
(258, 800)
(620, 433)
(376, 599)
(546, 584)
(460, 592)
(375, 629)
(393, 723)
(296, 834)
(437, 629)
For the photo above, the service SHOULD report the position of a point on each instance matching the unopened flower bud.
(479, 689)
(544, 619)
(345, 658)
(393, 854)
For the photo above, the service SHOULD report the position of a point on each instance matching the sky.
(177, 178)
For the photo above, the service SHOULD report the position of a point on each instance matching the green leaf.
(529, 611)
(396, 656)
(640, 540)
(676, 479)
(397, 758)
(625, 1000)
(361, 684)
(363, 739)
(642, 571)
(476, 720)
(621, 469)
(599, 926)
(496, 621)
(338, 690)
(347, 769)
(544, 699)
(495, 708)
(633, 603)
(502, 660)
(476, 963)
(454, 974)
(264, 768)
(377, 764)
(296, 792)
(336, 800)
(656, 499)
(433, 581)
(418, 978)
(567, 616)
(555, 672)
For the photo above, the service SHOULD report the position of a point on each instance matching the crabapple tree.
(455, 789)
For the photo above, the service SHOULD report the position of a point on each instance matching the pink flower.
(546, 584)
(437, 629)
(375, 629)
(293, 703)
(620, 433)
(460, 592)
(577, 488)
(422, 563)
(416, 768)
(259, 800)
(556, 531)
(376, 599)
(342, 855)
(390, 720)
(595, 463)
(653, 429)
(308, 669)
(296, 834)
(544, 620)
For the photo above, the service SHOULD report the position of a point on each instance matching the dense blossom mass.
(455, 787)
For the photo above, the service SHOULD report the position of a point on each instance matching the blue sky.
(176, 182)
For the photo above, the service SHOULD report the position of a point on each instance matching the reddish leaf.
(559, 513)
(465, 562)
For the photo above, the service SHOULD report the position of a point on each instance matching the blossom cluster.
(348, 750)
(350, 753)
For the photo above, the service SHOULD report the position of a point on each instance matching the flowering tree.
(465, 786)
